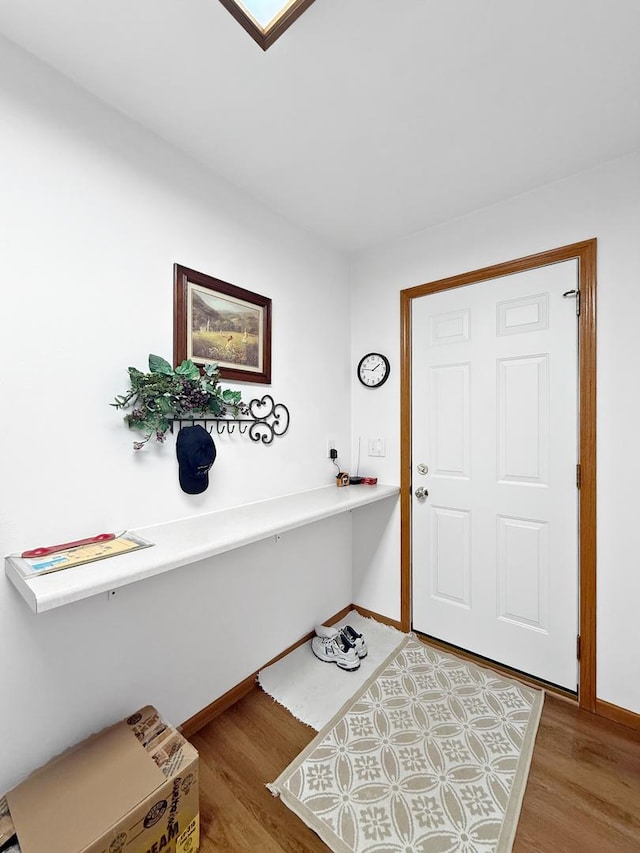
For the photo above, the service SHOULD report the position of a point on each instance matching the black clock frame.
(385, 377)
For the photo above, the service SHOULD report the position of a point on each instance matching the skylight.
(266, 20)
(264, 11)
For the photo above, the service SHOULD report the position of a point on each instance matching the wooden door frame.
(585, 253)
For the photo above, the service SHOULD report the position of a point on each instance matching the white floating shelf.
(179, 543)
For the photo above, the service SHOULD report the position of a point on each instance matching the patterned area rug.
(430, 756)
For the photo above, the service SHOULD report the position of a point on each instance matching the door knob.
(421, 493)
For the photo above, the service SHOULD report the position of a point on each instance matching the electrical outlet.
(331, 445)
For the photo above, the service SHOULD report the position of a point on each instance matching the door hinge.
(578, 476)
(578, 648)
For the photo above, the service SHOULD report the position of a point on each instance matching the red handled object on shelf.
(52, 549)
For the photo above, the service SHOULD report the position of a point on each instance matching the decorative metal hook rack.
(266, 420)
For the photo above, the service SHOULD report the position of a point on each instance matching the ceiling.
(368, 119)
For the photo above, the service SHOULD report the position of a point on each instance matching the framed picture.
(218, 322)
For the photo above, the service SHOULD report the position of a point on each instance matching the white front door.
(495, 422)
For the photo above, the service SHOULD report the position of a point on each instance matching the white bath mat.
(314, 691)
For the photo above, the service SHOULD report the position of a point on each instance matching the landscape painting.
(217, 322)
(224, 330)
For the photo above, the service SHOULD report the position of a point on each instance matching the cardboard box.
(132, 788)
(7, 829)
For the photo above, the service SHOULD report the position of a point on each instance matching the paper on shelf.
(35, 566)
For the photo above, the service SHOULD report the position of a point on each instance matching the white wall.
(94, 212)
(603, 203)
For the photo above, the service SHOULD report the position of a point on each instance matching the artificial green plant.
(164, 393)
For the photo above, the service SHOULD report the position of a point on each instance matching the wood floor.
(583, 793)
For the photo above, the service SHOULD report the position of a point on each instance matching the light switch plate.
(377, 447)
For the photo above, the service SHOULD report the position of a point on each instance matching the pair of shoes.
(336, 649)
(345, 634)
(349, 633)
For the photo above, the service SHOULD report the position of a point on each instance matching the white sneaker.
(357, 639)
(326, 630)
(349, 633)
(337, 649)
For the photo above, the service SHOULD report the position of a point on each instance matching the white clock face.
(373, 370)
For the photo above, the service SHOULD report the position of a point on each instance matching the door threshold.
(518, 675)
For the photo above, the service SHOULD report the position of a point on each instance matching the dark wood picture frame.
(214, 321)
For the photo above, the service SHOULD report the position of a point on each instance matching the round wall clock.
(373, 369)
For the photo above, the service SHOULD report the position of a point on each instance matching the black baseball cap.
(196, 454)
